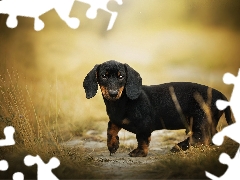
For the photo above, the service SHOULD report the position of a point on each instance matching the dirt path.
(120, 165)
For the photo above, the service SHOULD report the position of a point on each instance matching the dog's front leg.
(143, 144)
(112, 137)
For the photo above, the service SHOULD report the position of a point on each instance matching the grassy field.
(41, 91)
(36, 134)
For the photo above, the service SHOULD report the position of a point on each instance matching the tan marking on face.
(104, 91)
(108, 97)
(120, 92)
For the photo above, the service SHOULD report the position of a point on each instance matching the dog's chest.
(128, 125)
(119, 116)
(116, 109)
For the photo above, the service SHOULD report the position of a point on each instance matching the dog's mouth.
(111, 95)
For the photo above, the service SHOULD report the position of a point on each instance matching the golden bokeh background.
(184, 40)
(42, 73)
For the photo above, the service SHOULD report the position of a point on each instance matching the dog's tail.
(227, 112)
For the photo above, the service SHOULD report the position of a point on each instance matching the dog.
(142, 109)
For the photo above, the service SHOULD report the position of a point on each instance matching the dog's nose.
(113, 93)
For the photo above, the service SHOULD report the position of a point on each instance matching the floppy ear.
(90, 83)
(134, 83)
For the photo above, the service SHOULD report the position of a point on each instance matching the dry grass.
(193, 163)
(34, 134)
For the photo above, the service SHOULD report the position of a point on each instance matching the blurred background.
(164, 40)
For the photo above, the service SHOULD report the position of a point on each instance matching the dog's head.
(113, 78)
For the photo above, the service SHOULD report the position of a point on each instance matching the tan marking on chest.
(125, 121)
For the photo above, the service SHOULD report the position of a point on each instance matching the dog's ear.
(133, 84)
(90, 83)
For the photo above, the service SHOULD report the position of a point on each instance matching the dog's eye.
(104, 76)
(120, 77)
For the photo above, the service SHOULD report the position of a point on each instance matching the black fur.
(142, 109)
(90, 83)
(133, 84)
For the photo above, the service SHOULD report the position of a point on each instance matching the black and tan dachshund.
(142, 109)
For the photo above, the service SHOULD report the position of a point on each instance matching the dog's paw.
(182, 146)
(175, 149)
(138, 153)
(113, 144)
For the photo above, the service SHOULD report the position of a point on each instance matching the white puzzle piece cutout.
(231, 131)
(18, 176)
(8, 141)
(101, 4)
(36, 8)
(3, 165)
(44, 170)
(8, 132)
(233, 167)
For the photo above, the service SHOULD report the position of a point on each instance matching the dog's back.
(188, 97)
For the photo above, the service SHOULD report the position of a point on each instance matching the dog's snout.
(113, 93)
